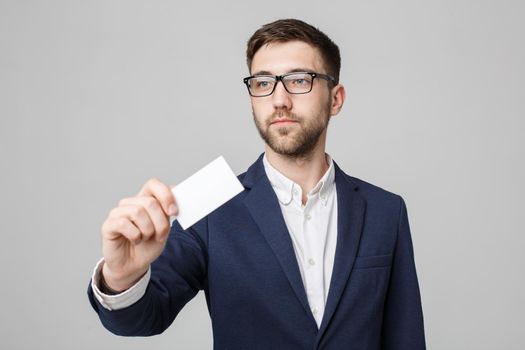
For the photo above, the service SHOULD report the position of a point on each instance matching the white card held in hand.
(205, 191)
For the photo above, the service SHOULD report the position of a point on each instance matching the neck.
(306, 170)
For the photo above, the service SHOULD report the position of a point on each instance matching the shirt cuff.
(121, 300)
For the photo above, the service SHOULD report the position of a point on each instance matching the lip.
(284, 121)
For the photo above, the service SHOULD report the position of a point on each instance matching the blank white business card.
(205, 191)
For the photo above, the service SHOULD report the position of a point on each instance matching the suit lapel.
(263, 205)
(350, 216)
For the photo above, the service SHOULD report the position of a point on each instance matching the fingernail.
(172, 209)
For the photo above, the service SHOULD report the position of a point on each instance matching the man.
(306, 257)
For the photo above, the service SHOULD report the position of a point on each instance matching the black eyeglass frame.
(278, 78)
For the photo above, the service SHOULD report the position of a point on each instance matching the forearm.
(176, 276)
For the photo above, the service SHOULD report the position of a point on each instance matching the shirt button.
(323, 196)
(308, 217)
(314, 311)
(311, 261)
(295, 191)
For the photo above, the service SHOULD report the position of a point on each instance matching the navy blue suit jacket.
(242, 256)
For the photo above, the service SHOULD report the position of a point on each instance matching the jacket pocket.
(366, 262)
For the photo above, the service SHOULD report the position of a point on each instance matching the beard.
(296, 140)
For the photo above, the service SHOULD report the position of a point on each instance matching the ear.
(338, 98)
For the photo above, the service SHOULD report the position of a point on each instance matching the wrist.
(105, 288)
(112, 284)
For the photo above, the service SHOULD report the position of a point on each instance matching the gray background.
(96, 97)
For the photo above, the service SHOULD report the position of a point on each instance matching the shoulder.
(378, 199)
(371, 190)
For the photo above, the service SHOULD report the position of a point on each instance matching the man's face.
(291, 124)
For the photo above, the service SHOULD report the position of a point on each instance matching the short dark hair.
(290, 29)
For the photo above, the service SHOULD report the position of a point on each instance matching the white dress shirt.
(312, 228)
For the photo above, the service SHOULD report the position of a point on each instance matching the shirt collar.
(286, 189)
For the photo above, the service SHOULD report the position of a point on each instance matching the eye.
(300, 80)
(261, 84)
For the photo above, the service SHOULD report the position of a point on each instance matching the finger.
(163, 193)
(121, 226)
(138, 215)
(159, 219)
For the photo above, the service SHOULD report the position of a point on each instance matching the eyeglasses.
(294, 83)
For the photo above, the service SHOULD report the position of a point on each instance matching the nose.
(280, 97)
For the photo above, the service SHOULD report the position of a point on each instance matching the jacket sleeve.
(403, 316)
(176, 277)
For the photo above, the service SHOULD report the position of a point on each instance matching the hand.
(134, 234)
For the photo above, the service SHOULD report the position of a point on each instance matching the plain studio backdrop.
(96, 97)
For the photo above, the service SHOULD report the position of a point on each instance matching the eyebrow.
(265, 72)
